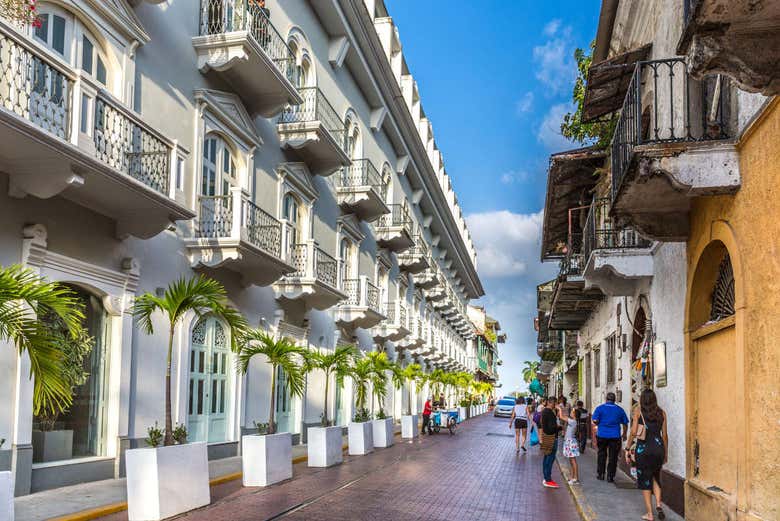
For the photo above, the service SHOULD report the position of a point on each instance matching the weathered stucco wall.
(752, 218)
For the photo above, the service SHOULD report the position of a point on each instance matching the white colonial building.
(283, 151)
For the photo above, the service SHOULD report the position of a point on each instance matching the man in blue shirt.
(612, 425)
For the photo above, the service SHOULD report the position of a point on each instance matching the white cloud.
(552, 27)
(549, 133)
(555, 66)
(513, 177)
(507, 243)
(525, 103)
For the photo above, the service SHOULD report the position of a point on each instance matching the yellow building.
(731, 338)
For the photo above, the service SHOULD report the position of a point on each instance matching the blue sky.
(495, 78)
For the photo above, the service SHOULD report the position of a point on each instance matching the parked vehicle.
(504, 407)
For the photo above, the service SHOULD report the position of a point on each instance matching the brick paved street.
(474, 475)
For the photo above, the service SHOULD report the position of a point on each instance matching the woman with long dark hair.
(648, 429)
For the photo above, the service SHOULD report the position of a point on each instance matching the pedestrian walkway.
(603, 501)
(475, 474)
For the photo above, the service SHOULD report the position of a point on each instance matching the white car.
(504, 407)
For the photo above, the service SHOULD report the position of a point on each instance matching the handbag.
(534, 437)
(547, 441)
(641, 430)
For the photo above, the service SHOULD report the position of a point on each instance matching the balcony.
(414, 338)
(671, 143)
(361, 190)
(617, 260)
(435, 294)
(106, 158)
(394, 230)
(239, 43)
(315, 131)
(315, 279)
(571, 302)
(396, 327)
(417, 258)
(234, 233)
(362, 307)
(739, 38)
(425, 279)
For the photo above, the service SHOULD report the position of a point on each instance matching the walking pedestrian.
(583, 426)
(519, 420)
(549, 441)
(571, 447)
(427, 416)
(648, 429)
(563, 411)
(611, 420)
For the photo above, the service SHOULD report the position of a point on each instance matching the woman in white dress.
(571, 447)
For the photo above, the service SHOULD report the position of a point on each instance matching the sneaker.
(551, 484)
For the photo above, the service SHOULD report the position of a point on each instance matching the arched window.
(381, 282)
(291, 212)
(723, 291)
(353, 144)
(387, 184)
(219, 167)
(303, 69)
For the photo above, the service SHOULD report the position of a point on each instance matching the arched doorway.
(712, 378)
(638, 340)
(210, 381)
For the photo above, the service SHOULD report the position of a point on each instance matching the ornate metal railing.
(362, 172)
(664, 104)
(601, 233)
(215, 220)
(351, 288)
(399, 216)
(226, 16)
(215, 216)
(40, 90)
(361, 292)
(35, 88)
(572, 265)
(420, 248)
(299, 253)
(325, 268)
(315, 107)
(262, 229)
(125, 143)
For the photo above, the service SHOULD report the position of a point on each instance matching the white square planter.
(383, 432)
(6, 496)
(324, 446)
(166, 481)
(361, 438)
(409, 426)
(266, 459)
(461, 414)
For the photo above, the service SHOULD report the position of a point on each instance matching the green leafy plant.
(381, 366)
(281, 354)
(75, 350)
(362, 374)
(335, 363)
(361, 415)
(529, 371)
(154, 436)
(599, 133)
(200, 295)
(25, 296)
(179, 434)
(381, 415)
(261, 428)
(405, 376)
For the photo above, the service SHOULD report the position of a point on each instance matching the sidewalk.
(602, 501)
(99, 498)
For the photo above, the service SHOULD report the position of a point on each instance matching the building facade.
(283, 151)
(652, 235)
(484, 344)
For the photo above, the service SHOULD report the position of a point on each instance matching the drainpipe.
(604, 31)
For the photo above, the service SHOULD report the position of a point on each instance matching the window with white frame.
(611, 342)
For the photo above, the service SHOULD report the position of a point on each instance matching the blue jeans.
(549, 459)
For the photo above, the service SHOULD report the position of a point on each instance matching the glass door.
(285, 404)
(209, 383)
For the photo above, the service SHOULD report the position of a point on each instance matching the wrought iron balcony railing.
(361, 293)
(362, 172)
(664, 104)
(316, 108)
(602, 234)
(227, 16)
(311, 262)
(40, 89)
(219, 219)
(396, 314)
(398, 216)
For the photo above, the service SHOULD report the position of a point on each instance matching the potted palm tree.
(364, 375)
(337, 364)
(382, 425)
(404, 377)
(267, 458)
(167, 480)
